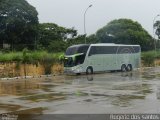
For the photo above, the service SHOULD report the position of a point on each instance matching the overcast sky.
(69, 13)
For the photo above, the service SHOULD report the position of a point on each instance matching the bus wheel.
(78, 73)
(89, 70)
(129, 67)
(123, 68)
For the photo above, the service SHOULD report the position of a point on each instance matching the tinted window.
(137, 49)
(71, 50)
(79, 59)
(68, 62)
(128, 49)
(109, 49)
(83, 49)
(113, 50)
(77, 49)
(103, 50)
(125, 49)
(92, 50)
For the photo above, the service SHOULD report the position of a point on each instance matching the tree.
(80, 39)
(157, 27)
(51, 34)
(92, 39)
(18, 23)
(125, 31)
(157, 32)
(57, 46)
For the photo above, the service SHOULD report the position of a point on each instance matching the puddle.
(29, 114)
(124, 100)
(9, 107)
(44, 97)
(98, 93)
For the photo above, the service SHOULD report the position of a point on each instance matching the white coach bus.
(91, 58)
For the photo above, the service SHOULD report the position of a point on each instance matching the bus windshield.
(75, 60)
(77, 49)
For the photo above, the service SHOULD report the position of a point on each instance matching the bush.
(149, 58)
(47, 61)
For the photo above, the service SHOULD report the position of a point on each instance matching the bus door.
(99, 64)
(95, 60)
(91, 61)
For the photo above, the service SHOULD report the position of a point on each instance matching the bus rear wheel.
(89, 70)
(129, 67)
(123, 68)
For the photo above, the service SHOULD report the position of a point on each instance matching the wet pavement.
(132, 92)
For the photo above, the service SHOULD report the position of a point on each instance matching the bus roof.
(112, 44)
(79, 45)
(102, 44)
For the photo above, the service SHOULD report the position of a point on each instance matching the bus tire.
(123, 68)
(129, 67)
(89, 70)
(78, 74)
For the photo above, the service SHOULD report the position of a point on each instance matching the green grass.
(8, 57)
(149, 57)
(35, 56)
(152, 53)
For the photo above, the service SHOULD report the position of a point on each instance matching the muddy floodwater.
(132, 92)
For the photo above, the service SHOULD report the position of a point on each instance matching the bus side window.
(92, 51)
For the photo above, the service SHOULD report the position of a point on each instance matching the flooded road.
(136, 92)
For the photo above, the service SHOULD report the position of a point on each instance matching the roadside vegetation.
(30, 56)
(27, 58)
(150, 58)
(44, 57)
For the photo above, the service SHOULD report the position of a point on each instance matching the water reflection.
(18, 87)
(125, 100)
(44, 97)
(9, 107)
(119, 89)
(151, 73)
(29, 114)
(14, 93)
(90, 77)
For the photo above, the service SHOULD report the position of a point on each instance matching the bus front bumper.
(73, 70)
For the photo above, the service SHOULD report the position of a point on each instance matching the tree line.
(20, 28)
